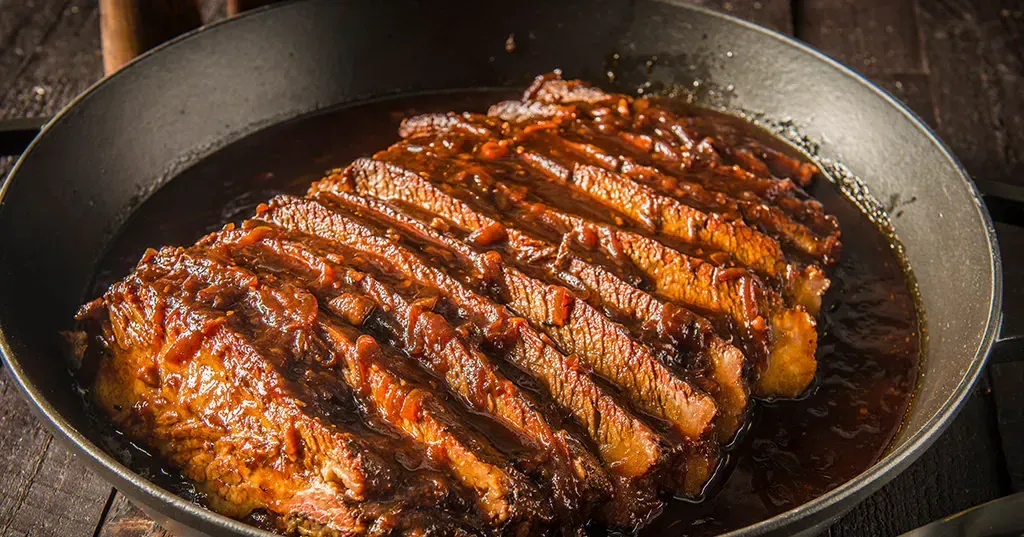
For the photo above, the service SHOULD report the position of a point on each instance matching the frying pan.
(134, 131)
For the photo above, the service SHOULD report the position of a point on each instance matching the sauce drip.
(794, 451)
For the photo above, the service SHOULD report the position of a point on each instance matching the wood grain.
(44, 490)
(883, 40)
(51, 57)
(125, 520)
(871, 36)
(914, 90)
(878, 38)
(974, 54)
(49, 52)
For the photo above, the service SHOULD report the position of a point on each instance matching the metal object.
(16, 134)
(132, 132)
(998, 518)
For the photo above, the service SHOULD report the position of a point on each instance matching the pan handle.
(1005, 203)
(16, 134)
(1009, 346)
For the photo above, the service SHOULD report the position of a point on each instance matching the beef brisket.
(505, 324)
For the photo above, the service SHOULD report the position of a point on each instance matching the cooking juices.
(794, 451)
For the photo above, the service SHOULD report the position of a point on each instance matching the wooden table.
(957, 63)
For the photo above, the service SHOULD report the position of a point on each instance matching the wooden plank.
(126, 520)
(878, 38)
(23, 28)
(961, 470)
(44, 490)
(49, 53)
(871, 36)
(974, 53)
(58, 58)
(213, 10)
(774, 14)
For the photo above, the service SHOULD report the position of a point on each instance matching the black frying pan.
(132, 132)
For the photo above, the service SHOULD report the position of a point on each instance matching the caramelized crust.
(505, 324)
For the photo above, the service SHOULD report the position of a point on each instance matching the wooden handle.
(130, 27)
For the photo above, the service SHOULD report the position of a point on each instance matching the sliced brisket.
(780, 340)
(504, 324)
(541, 148)
(691, 339)
(631, 450)
(576, 479)
(574, 325)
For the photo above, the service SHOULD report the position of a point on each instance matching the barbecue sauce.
(794, 451)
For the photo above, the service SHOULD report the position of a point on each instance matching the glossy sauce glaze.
(794, 450)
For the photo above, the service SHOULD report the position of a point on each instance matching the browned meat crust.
(576, 478)
(652, 320)
(505, 324)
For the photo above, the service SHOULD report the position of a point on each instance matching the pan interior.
(796, 450)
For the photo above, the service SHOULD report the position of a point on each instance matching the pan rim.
(805, 515)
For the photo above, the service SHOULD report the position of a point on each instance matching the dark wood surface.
(957, 63)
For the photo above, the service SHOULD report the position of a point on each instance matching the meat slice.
(503, 496)
(575, 479)
(198, 385)
(724, 363)
(551, 88)
(801, 223)
(633, 452)
(573, 324)
(664, 215)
